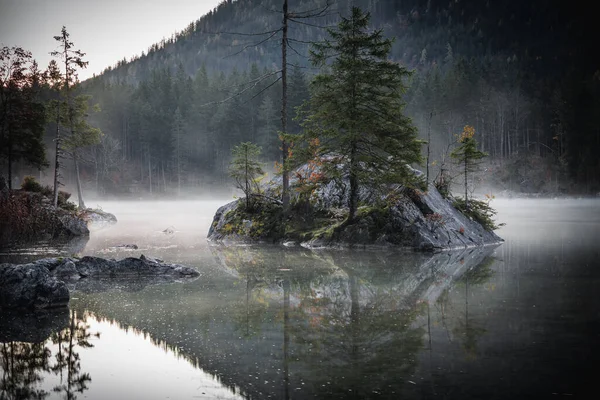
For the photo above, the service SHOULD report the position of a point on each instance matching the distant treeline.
(524, 74)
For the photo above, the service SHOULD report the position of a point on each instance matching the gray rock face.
(216, 233)
(30, 286)
(98, 218)
(67, 224)
(46, 283)
(422, 221)
(73, 269)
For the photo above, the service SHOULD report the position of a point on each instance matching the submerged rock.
(43, 284)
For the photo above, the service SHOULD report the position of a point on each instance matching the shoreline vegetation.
(27, 215)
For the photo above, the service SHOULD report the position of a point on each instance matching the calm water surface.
(518, 321)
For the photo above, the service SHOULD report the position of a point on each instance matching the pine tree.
(178, 130)
(72, 60)
(356, 109)
(267, 131)
(468, 156)
(22, 114)
(246, 169)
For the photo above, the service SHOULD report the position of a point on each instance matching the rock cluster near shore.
(45, 283)
(26, 216)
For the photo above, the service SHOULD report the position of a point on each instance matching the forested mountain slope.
(524, 74)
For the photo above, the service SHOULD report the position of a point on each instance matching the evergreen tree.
(22, 114)
(267, 132)
(468, 156)
(356, 109)
(179, 153)
(82, 135)
(246, 169)
(72, 60)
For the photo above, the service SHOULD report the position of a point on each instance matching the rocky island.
(402, 217)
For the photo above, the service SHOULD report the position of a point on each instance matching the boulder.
(46, 283)
(30, 286)
(423, 221)
(217, 231)
(68, 224)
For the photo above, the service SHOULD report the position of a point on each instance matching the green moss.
(478, 211)
(303, 223)
(262, 222)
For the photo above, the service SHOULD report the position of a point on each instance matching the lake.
(521, 320)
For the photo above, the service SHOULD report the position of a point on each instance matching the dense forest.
(523, 74)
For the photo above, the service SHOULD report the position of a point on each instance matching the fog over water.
(517, 321)
(144, 222)
(572, 221)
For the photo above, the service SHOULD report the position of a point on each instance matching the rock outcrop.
(46, 283)
(30, 286)
(424, 221)
(98, 218)
(27, 216)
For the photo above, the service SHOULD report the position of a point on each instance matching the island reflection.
(281, 324)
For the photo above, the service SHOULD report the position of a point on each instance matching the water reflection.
(298, 324)
(23, 253)
(68, 363)
(24, 364)
(455, 319)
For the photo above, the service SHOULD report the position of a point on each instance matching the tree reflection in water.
(456, 321)
(24, 364)
(67, 359)
(351, 321)
(359, 343)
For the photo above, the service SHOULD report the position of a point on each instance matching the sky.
(106, 30)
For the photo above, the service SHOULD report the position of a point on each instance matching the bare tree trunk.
(285, 198)
(428, 145)
(79, 194)
(246, 179)
(162, 166)
(466, 185)
(9, 165)
(150, 172)
(57, 158)
(178, 166)
(353, 184)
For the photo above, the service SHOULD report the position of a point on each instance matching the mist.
(377, 272)
(155, 225)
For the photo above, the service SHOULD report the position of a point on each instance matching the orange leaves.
(311, 174)
(467, 133)
(278, 167)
